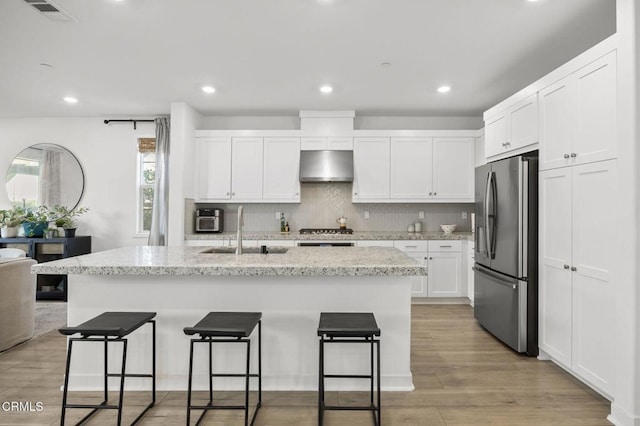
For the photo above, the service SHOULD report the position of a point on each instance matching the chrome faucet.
(240, 225)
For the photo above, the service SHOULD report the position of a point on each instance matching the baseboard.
(620, 417)
(441, 301)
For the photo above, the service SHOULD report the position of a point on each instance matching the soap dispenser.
(282, 222)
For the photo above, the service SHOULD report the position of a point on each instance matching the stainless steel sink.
(245, 250)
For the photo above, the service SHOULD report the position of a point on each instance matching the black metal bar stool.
(110, 327)
(226, 327)
(349, 327)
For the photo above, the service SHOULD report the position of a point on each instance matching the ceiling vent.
(51, 10)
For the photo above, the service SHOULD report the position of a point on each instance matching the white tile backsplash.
(322, 203)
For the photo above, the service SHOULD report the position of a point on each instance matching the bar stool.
(349, 327)
(110, 327)
(226, 327)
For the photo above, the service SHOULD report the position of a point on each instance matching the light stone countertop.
(356, 236)
(297, 261)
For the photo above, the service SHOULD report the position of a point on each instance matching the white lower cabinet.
(445, 269)
(471, 249)
(576, 290)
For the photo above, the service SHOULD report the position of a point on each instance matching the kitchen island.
(182, 284)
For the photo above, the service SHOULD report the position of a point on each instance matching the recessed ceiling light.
(208, 89)
(70, 100)
(385, 64)
(326, 89)
(444, 89)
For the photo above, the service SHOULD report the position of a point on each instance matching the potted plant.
(65, 218)
(10, 220)
(35, 221)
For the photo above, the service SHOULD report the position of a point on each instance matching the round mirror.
(45, 175)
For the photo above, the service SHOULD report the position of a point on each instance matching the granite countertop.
(368, 235)
(297, 261)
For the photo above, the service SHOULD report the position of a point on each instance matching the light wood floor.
(462, 375)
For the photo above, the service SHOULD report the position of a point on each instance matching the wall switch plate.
(464, 215)
(277, 215)
(366, 214)
(421, 214)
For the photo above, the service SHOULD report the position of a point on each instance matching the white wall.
(107, 155)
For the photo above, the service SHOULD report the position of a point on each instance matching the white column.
(625, 409)
(184, 121)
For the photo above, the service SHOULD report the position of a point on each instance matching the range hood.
(326, 166)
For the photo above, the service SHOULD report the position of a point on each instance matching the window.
(146, 181)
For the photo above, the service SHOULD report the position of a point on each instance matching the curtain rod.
(135, 122)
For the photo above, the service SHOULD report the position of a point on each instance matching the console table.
(50, 286)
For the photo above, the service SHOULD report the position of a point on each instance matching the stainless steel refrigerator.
(506, 251)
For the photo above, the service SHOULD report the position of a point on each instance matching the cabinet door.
(281, 179)
(419, 285)
(523, 123)
(445, 274)
(556, 124)
(495, 135)
(594, 195)
(214, 168)
(595, 133)
(246, 169)
(340, 143)
(453, 169)
(411, 170)
(554, 283)
(370, 168)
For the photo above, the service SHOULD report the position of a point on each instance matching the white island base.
(290, 307)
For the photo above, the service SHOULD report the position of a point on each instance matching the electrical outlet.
(464, 215)
(366, 214)
(421, 214)
(277, 215)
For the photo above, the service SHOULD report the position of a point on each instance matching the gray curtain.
(159, 216)
(49, 180)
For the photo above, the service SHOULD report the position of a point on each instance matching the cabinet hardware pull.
(431, 258)
(566, 266)
(566, 156)
(435, 193)
(573, 154)
(574, 269)
(410, 246)
(445, 246)
(508, 143)
(297, 193)
(227, 193)
(355, 193)
(233, 193)
(431, 193)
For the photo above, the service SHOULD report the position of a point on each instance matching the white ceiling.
(268, 57)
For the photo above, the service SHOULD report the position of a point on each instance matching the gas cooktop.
(326, 231)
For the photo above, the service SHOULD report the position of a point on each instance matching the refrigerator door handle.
(499, 280)
(487, 213)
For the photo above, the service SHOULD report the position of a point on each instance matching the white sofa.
(17, 301)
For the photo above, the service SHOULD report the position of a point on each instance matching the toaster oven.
(209, 220)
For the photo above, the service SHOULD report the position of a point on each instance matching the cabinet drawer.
(374, 243)
(411, 246)
(445, 246)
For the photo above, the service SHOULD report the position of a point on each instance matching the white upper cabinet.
(432, 169)
(578, 116)
(213, 172)
(246, 169)
(281, 181)
(321, 143)
(514, 130)
(370, 169)
(453, 169)
(411, 173)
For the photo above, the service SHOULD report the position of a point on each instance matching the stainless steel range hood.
(326, 166)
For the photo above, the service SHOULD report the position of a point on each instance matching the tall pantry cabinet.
(577, 204)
